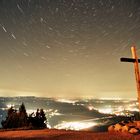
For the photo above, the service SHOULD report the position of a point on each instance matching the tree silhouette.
(20, 119)
(38, 121)
(11, 119)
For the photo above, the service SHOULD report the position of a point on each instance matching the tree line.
(20, 118)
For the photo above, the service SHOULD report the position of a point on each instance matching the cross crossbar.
(136, 61)
(128, 60)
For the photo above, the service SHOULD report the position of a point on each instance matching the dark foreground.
(52, 134)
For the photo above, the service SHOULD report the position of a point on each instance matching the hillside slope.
(53, 134)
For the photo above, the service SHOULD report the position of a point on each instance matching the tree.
(18, 119)
(23, 118)
(38, 121)
(22, 109)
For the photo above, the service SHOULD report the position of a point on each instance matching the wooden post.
(137, 75)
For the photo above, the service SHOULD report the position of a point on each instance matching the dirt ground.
(52, 134)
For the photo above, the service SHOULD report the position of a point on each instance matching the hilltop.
(53, 134)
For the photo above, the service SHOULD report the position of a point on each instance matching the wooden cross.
(134, 60)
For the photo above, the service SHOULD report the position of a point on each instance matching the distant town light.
(75, 125)
(10, 105)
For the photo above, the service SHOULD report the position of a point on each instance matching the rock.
(133, 131)
(125, 128)
(111, 128)
(138, 124)
(118, 127)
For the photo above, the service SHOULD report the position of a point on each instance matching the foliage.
(38, 120)
(18, 119)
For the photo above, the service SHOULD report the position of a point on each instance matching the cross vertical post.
(136, 62)
(137, 75)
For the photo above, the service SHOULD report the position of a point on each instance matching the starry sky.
(68, 48)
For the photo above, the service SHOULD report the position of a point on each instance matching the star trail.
(68, 48)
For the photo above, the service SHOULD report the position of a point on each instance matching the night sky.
(68, 48)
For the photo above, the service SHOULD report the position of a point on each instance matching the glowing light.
(3, 108)
(54, 113)
(111, 98)
(30, 111)
(90, 107)
(132, 109)
(121, 108)
(75, 125)
(10, 105)
(66, 101)
(106, 111)
(48, 126)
